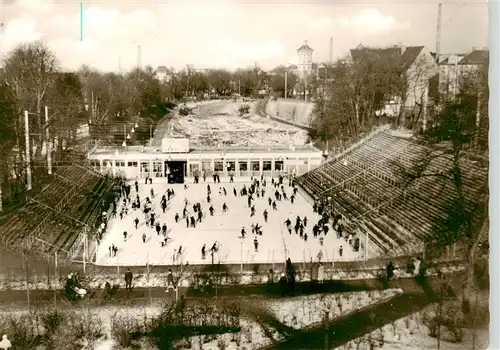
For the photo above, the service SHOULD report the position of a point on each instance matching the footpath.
(224, 291)
(139, 295)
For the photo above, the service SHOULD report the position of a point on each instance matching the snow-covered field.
(409, 333)
(297, 312)
(304, 311)
(213, 123)
(275, 244)
(291, 110)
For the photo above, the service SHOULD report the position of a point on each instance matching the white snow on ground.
(304, 311)
(213, 123)
(409, 333)
(298, 313)
(291, 110)
(222, 227)
(309, 310)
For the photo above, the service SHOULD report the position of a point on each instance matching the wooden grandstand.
(58, 217)
(365, 188)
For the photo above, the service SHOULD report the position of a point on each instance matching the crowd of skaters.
(194, 213)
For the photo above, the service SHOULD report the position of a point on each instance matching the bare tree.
(357, 89)
(29, 70)
(8, 136)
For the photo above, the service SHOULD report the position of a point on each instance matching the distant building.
(305, 64)
(162, 73)
(448, 75)
(454, 66)
(416, 62)
(192, 68)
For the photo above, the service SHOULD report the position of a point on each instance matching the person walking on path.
(128, 279)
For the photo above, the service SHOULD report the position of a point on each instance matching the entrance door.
(174, 171)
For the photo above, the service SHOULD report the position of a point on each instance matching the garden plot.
(253, 334)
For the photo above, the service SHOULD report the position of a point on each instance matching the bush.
(454, 322)
(431, 321)
(244, 109)
(53, 329)
(184, 110)
(22, 330)
(125, 329)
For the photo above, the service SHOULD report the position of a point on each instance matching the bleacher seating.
(368, 190)
(58, 213)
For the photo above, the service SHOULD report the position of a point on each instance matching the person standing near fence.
(321, 273)
(128, 279)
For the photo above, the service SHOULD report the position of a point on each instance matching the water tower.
(305, 60)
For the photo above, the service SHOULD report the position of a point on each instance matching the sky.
(233, 34)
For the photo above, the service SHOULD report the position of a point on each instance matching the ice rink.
(222, 227)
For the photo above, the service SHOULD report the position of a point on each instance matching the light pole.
(49, 145)
(28, 145)
(286, 80)
(28, 153)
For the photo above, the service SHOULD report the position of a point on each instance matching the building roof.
(305, 47)
(405, 56)
(383, 53)
(476, 57)
(116, 151)
(410, 55)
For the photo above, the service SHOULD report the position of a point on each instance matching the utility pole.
(286, 81)
(91, 105)
(438, 33)
(49, 145)
(28, 156)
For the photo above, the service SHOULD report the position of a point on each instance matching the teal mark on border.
(81, 21)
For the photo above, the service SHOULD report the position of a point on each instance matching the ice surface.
(222, 227)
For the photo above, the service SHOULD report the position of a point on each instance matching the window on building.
(255, 165)
(218, 165)
(279, 165)
(145, 167)
(120, 163)
(267, 165)
(231, 165)
(156, 167)
(243, 166)
(132, 164)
